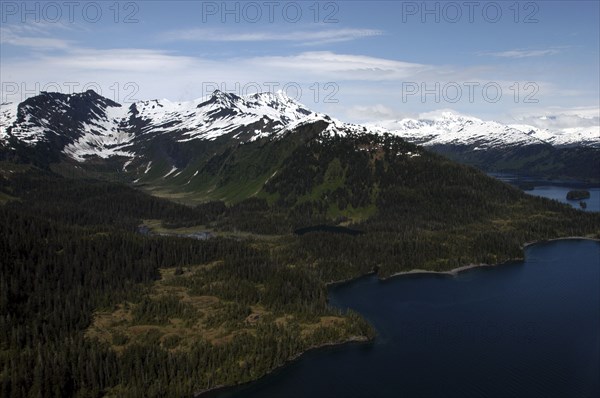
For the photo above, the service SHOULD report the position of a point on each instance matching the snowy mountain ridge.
(459, 130)
(85, 125)
(221, 114)
(109, 129)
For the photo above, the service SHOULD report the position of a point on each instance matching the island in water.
(578, 195)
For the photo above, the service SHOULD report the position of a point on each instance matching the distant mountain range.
(157, 141)
(572, 153)
(453, 129)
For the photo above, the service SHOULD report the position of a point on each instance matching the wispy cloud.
(35, 36)
(312, 65)
(342, 66)
(312, 36)
(523, 53)
(120, 60)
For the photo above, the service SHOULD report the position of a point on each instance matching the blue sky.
(357, 60)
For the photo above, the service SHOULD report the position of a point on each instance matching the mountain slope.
(227, 146)
(224, 147)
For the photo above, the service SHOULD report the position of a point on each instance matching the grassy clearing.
(121, 327)
(202, 189)
(156, 227)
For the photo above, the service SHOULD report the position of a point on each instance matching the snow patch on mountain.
(102, 136)
(221, 114)
(8, 115)
(30, 130)
(174, 169)
(588, 136)
(572, 136)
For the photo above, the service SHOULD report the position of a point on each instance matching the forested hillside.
(90, 306)
(69, 249)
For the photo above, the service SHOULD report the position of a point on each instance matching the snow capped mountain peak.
(223, 99)
(252, 116)
(55, 118)
(447, 116)
(86, 124)
(269, 97)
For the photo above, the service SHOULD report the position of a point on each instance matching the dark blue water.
(560, 193)
(528, 329)
(556, 190)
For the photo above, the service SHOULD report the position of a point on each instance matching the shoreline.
(452, 272)
(348, 280)
(458, 270)
(208, 393)
(556, 239)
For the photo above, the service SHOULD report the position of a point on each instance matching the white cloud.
(32, 36)
(341, 67)
(372, 113)
(120, 60)
(303, 67)
(523, 53)
(312, 36)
